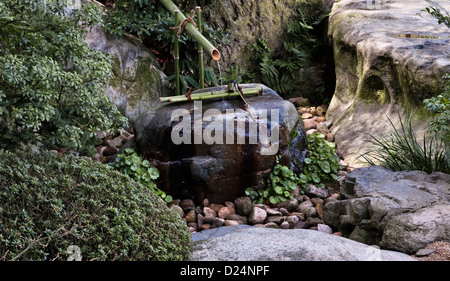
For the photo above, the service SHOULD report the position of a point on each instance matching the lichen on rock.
(137, 81)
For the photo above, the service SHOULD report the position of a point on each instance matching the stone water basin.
(219, 154)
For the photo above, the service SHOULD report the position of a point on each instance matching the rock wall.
(137, 81)
(401, 211)
(388, 60)
(246, 21)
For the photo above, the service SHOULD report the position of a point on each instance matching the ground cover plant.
(48, 203)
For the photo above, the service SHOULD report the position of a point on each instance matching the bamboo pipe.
(176, 54)
(192, 31)
(211, 95)
(200, 49)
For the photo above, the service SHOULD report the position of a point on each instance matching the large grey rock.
(411, 190)
(137, 81)
(411, 232)
(221, 171)
(217, 232)
(388, 59)
(382, 205)
(264, 244)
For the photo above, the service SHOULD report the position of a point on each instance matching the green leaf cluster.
(51, 82)
(440, 105)
(440, 125)
(281, 184)
(48, 203)
(320, 167)
(132, 165)
(442, 17)
(321, 163)
(402, 151)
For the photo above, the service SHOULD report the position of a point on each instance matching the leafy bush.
(440, 105)
(321, 163)
(320, 167)
(267, 70)
(401, 151)
(280, 186)
(129, 163)
(50, 80)
(48, 203)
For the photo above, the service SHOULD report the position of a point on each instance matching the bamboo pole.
(192, 31)
(200, 49)
(211, 95)
(176, 54)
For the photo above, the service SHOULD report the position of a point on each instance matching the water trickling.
(220, 73)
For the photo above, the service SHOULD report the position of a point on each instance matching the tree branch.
(34, 242)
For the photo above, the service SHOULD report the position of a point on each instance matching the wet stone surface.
(208, 163)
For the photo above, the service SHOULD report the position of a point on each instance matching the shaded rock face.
(137, 81)
(387, 60)
(248, 21)
(238, 18)
(221, 171)
(413, 231)
(402, 211)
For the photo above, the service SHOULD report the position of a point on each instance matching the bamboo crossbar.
(211, 95)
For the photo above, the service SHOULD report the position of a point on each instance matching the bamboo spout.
(192, 31)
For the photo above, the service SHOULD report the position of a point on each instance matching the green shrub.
(51, 82)
(321, 163)
(280, 186)
(129, 163)
(48, 203)
(401, 151)
(267, 69)
(440, 106)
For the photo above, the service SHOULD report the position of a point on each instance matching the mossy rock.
(384, 69)
(137, 81)
(246, 21)
(48, 203)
